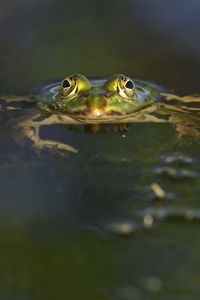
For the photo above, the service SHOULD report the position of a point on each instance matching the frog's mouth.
(96, 112)
(97, 107)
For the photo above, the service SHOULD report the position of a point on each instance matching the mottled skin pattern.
(117, 100)
(98, 99)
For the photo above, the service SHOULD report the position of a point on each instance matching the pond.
(121, 218)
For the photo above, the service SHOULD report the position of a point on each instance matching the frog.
(119, 100)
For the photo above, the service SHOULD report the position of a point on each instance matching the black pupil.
(66, 83)
(129, 84)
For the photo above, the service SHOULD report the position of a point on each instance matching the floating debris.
(124, 228)
(158, 191)
(154, 192)
(148, 221)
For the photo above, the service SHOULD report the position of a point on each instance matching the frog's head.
(97, 99)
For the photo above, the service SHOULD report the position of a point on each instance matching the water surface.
(74, 226)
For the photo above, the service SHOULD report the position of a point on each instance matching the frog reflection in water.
(117, 100)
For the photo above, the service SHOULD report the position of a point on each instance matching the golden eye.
(69, 86)
(126, 87)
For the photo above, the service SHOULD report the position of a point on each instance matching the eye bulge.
(122, 84)
(69, 82)
(74, 84)
(126, 87)
(68, 87)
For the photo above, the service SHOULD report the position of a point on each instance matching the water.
(90, 226)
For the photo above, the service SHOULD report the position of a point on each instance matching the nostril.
(107, 95)
(54, 106)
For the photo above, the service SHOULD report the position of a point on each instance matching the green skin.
(98, 99)
(118, 100)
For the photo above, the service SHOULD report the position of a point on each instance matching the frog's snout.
(96, 106)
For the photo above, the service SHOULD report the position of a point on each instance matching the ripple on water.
(177, 166)
(123, 227)
(143, 220)
(176, 158)
(176, 173)
(169, 213)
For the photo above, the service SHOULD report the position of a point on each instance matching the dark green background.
(56, 212)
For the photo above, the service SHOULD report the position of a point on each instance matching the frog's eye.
(129, 84)
(66, 83)
(69, 86)
(125, 87)
(122, 85)
(73, 84)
